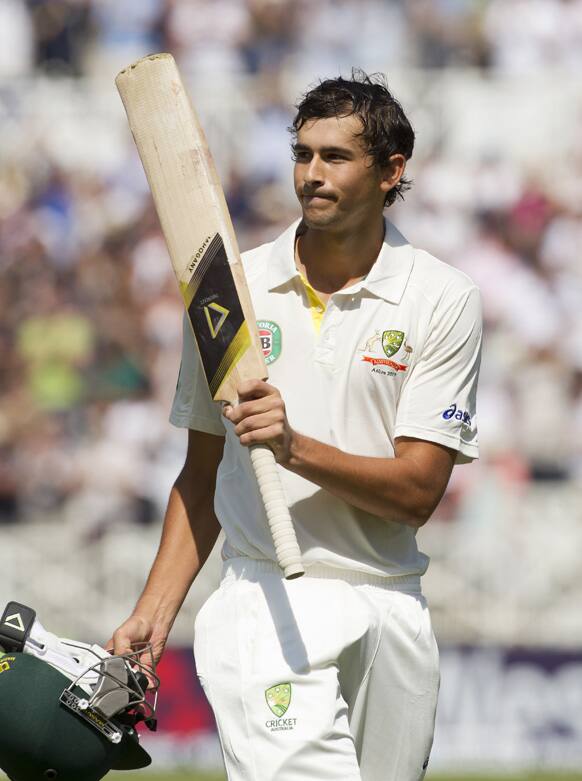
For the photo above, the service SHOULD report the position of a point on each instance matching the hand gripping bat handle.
(280, 523)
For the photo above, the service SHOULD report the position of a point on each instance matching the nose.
(313, 175)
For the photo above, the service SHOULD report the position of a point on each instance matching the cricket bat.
(203, 249)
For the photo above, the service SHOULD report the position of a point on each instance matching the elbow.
(424, 508)
(414, 514)
(422, 516)
(417, 516)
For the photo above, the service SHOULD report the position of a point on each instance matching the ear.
(393, 172)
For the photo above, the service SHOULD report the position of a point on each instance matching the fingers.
(249, 409)
(258, 421)
(260, 418)
(255, 389)
(121, 643)
(134, 630)
(262, 435)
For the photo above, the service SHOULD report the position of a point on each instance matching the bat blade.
(203, 249)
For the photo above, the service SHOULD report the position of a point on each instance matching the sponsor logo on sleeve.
(270, 336)
(455, 413)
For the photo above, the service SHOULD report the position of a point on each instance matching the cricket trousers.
(330, 677)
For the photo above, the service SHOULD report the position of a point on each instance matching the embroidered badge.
(393, 343)
(279, 698)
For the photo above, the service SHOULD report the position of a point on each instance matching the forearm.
(404, 489)
(189, 532)
(395, 489)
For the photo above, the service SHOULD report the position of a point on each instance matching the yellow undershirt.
(316, 305)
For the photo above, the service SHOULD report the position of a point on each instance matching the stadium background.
(90, 323)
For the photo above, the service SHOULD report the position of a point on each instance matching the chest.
(341, 371)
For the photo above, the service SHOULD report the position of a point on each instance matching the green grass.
(185, 776)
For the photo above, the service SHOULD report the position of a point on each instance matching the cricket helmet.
(68, 710)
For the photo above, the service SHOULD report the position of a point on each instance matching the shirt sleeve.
(438, 400)
(193, 406)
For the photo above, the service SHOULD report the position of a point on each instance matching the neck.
(332, 261)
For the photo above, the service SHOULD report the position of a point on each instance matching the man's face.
(336, 182)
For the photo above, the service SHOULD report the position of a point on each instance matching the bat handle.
(280, 523)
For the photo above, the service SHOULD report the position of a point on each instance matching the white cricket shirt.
(396, 354)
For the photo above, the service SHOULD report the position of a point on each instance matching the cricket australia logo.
(270, 336)
(393, 344)
(278, 699)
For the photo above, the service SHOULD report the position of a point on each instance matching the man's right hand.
(138, 629)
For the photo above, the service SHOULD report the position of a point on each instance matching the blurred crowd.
(77, 36)
(90, 322)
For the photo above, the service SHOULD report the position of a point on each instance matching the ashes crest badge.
(394, 343)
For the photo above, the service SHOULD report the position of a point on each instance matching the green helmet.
(56, 727)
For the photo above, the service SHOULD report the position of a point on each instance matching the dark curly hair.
(385, 128)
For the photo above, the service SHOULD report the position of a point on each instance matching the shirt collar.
(281, 267)
(387, 278)
(389, 275)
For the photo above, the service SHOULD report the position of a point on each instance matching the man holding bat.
(373, 352)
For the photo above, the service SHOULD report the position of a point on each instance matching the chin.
(318, 220)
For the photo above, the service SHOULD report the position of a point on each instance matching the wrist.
(297, 450)
(155, 610)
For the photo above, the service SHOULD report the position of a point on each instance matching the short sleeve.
(438, 400)
(193, 406)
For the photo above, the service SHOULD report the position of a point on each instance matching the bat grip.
(280, 523)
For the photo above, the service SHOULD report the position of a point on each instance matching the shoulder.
(443, 286)
(437, 278)
(429, 281)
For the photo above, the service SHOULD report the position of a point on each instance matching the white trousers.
(330, 677)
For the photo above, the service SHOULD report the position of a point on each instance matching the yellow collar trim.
(316, 305)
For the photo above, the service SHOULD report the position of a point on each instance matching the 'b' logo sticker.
(270, 336)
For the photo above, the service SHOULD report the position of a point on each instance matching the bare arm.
(189, 532)
(405, 489)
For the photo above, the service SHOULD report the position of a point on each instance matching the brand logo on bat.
(215, 317)
(279, 698)
(197, 256)
(270, 336)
